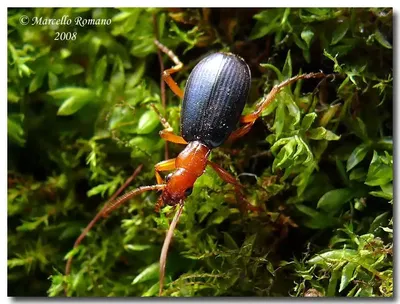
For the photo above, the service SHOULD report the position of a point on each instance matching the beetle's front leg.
(249, 119)
(166, 75)
(165, 165)
(168, 133)
(228, 178)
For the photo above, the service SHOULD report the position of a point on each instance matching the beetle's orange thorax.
(190, 165)
(193, 158)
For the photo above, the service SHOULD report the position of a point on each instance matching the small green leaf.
(337, 255)
(319, 13)
(33, 224)
(301, 180)
(99, 189)
(386, 193)
(137, 247)
(284, 155)
(287, 67)
(72, 252)
(121, 16)
(307, 35)
(307, 121)
(322, 133)
(279, 119)
(77, 280)
(229, 241)
(336, 240)
(293, 110)
(152, 291)
(299, 42)
(340, 31)
(12, 95)
(380, 171)
(149, 273)
(247, 246)
(100, 70)
(161, 24)
(336, 67)
(37, 80)
(267, 22)
(70, 106)
(359, 128)
(279, 143)
(136, 77)
(387, 229)
(347, 275)
(387, 196)
(72, 70)
(329, 114)
(57, 285)
(356, 156)
(76, 99)
(323, 221)
(380, 220)
(218, 217)
(52, 80)
(147, 122)
(16, 262)
(117, 81)
(381, 39)
(318, 220)
(301, 149)
(334, 199)
(15, 130)
(274, 68)
(143, 145)
(365, 292)
(333, 283)
(358, 174)
(143, 47)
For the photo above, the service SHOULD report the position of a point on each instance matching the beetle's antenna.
(111, 205)
(167, 241)
(100, 214)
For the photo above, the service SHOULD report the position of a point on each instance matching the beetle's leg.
(250, 119)
(241, 131)
(167, 241)
(168, 133)
(165, 165)
(169, 136)
(272, 94)
(227, 177)
(176, 68)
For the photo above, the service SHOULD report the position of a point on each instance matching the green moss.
(319, 161)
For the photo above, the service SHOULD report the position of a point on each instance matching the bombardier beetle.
(213, 100)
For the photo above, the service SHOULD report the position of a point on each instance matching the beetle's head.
(179, 186)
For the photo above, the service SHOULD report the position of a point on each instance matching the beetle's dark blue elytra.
(214, 98)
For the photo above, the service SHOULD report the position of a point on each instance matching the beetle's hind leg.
(166, 75)
(250, 119)
(168, 133)
(227, 177)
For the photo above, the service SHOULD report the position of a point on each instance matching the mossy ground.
(319, 161)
